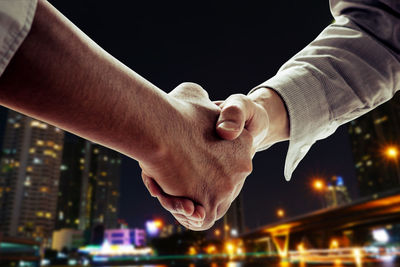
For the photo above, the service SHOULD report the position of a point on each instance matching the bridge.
(344, 226)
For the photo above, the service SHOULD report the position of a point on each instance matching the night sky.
(226, 49)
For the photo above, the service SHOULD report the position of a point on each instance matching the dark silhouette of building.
(89, 185)
(371, 136)
(234, 223)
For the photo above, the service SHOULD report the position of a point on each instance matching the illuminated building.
(67, 238)
(136, 237)
(234, 218)
(336, 193)
(89, 185)
(29, 177)
(370, 134)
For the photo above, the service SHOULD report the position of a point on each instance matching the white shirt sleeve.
(349, 69)
(16, 18)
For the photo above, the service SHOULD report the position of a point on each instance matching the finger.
(233, 117)
(154, 189)
(197, 216)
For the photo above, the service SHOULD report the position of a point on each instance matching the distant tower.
(336, 193)
(370, 135)
(234, 219)
(89, 185)
(29, 177)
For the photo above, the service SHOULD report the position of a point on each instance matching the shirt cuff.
(16, 21)
(308, 111)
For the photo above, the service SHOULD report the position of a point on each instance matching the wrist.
(278, 129)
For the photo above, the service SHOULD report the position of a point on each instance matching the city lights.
(380, 235)
(154, 227)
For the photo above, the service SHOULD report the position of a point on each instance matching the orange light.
(211, 249)
(217, 232)
(280, 213)
(319, 184)
(334, 244)
(158, 223)
(392, 152)
(192, 251)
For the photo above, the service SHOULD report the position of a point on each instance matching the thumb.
(232, 118)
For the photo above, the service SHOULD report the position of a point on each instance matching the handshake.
(205, 150)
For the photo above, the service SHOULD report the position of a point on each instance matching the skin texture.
(262, 114)
(60, 76)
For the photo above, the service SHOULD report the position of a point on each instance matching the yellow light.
(158, 223)
(280, 213)
(211, 249)
(300, 247)
(230, 248)
(39, 142)
(226, 227)
(48, 215)
(334, 244)
(217, 232)
(392, 152)
(44, 189)
(319, 184)
(357, 256)
(192, 251)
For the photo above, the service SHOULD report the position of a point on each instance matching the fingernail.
(229, 126)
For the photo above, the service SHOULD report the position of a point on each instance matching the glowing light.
(380, 235)
(234, 232)
(192, 251)
(334, 244)
(392, 152)
(230, 248)
(318, 184)
(217, 232)
(357, 256)
(211, 249)
(280, 213)
(300, 248)
(153, 227)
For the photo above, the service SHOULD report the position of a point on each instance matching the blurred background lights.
(380, 235)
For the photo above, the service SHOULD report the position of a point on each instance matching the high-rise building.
(69, 193)
(336, 193)
(371, 136)
(29, 177)
(89, 185)
(234, 218)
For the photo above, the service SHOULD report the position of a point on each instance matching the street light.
(319, 184)
(392, 152)
(280, 213)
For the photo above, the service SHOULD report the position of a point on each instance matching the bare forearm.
(62, 77)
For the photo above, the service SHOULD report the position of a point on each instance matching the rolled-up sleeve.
(16, 18)
(350, 68)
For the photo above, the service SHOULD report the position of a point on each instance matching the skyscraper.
(29, 177)
(234, 218)
(371, 135)
(89, 185)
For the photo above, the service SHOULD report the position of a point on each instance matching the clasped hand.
(205, 156)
